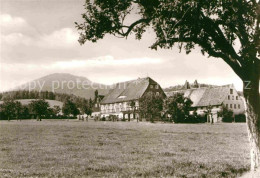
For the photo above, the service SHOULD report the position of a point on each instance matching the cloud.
(16, 39)
(8, 21)
(65, 37)
(105, 61)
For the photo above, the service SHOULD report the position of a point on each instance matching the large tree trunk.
(252, 106)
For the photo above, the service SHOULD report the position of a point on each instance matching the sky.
(38, 37)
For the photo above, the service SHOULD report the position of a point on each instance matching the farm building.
(119, 101)
(212, 99)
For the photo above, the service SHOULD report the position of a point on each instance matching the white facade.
(234, 102)
(117, 109)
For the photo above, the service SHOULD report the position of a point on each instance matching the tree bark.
(252, 106)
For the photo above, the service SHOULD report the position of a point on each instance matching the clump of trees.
(177, 109)
(226, 114)
(11, 109)
(74, 105)
(39, 107)
(229, 116)
(70, 108)
(151, 106)
(8, 109)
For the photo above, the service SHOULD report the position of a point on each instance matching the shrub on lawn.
(240, 118)
(226, 114)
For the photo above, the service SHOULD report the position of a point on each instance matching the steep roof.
(127, 91)
(208, 96)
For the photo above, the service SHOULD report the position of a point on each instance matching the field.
(73, 148)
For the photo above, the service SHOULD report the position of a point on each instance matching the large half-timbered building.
(123, 100)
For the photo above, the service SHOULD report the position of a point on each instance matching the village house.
(211, 99)
(123, 100)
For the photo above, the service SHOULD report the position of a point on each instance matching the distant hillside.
(66, 83)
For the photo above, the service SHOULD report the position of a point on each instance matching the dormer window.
(231, 91)
(151, 86)
(157, 86)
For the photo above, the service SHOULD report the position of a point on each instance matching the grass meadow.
(71, 148)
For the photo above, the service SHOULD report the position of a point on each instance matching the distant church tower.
(186, 85)
(195, 84)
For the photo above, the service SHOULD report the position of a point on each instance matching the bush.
(240, 118)
(226, 114)
(228, 117)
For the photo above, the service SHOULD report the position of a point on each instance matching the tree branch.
(130, 28)
(171, 40)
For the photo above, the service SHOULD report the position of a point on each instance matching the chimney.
(186, 85)
(196, 84)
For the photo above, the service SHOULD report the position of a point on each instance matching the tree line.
(26, 94)
(39, 108)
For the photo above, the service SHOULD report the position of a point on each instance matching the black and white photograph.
(130, 88)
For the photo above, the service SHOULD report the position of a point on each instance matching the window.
(236, 97)
(230, 106)
(157, 93)
(231, 91)
(157, 86)
(238, 106)
(235, 106)
(227, 106)
(228, 97)
(151, 86)
(232, 97)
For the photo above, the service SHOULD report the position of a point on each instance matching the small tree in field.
(18, 109)
(226, 114)
(215, 26)
(39, 107)
(178, 107)
(151, 106)
(70, 108)
(9, 108)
